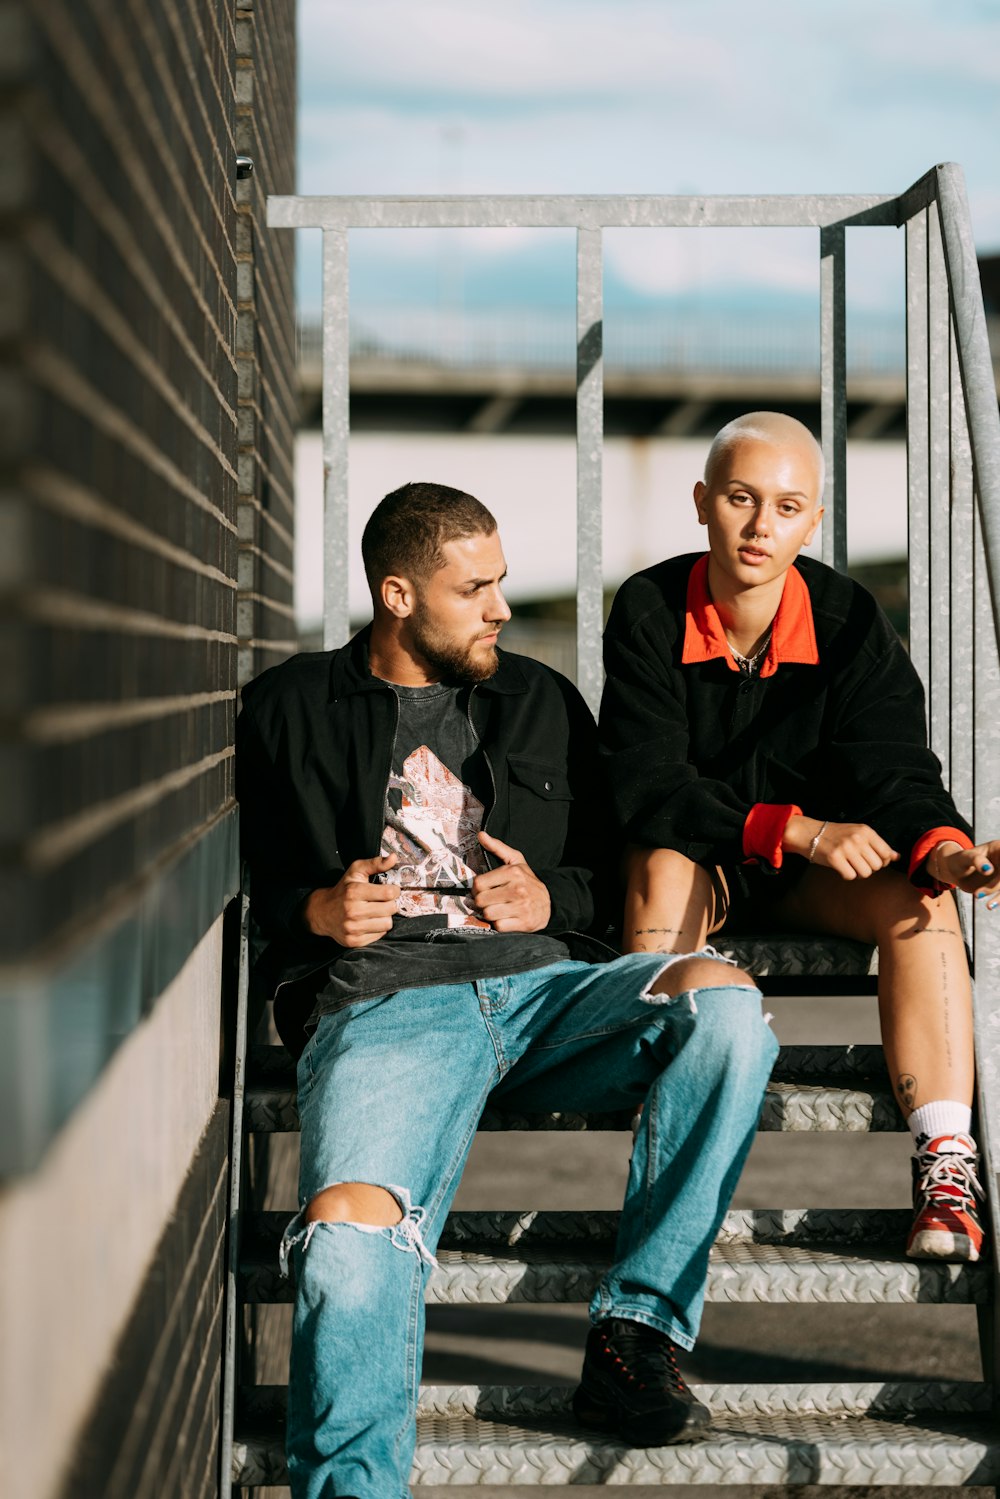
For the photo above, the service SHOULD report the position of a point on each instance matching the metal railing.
(589, 216)
(953, 446)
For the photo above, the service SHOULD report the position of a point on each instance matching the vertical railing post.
(978, 379)
(961, 622)
(986, 936)
(833, 393)
(939, 534)
(917, 452)
(589, 462)
(961, 613)
(970, 352)
(336, 437)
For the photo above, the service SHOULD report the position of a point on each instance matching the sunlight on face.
(460, 610)
(761, 507)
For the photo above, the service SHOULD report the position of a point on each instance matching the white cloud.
(456, 49)
(624, 96)
(939, 45)
(660, 263)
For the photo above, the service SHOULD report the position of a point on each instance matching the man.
(765, 744)
(422, 816)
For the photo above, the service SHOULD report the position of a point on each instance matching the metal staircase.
(913, 1432)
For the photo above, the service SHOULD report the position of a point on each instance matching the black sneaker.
(631, 1385)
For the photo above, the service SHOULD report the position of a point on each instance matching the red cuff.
(764, 829)
(923, 847)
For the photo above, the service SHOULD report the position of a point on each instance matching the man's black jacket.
(314, 746)
(690, 748)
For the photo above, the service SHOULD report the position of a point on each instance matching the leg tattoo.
(947, 1007)
(659, 935)
(906, 1087)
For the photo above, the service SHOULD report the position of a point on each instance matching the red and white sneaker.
(946, 1222)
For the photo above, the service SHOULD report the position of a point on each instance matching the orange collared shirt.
(793, 637)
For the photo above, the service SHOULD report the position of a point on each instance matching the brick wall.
(146, 369)
(265, 336)
(122, 471)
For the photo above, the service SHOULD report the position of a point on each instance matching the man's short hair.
(407, 531)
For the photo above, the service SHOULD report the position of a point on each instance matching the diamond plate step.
(800, 1226)
(792, 1107)
(863, 1435)
(787, 1107)
(567, 1265)
(795, 1100)
(800, 956)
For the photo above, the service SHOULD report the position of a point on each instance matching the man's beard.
(455, 662)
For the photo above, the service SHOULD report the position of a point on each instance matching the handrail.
(566, 211)
(976, 361)
(975, 368)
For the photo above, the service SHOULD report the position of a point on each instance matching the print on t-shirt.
(433, 834)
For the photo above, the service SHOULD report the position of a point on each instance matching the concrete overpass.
(402, 395)
(396, 386)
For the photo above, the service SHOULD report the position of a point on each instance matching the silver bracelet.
(814, 845)
(935, 854)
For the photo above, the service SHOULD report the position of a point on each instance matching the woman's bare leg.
(671, 904)
(924, 992)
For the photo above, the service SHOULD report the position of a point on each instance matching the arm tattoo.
(656, 931)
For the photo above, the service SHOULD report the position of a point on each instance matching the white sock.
(943, 1116)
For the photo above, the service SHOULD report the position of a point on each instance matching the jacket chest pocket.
(540, 799)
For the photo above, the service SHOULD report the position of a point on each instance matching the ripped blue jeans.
(390, 1094)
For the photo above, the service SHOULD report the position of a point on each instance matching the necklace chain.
(749, 663)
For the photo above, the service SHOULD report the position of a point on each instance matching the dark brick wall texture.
(265, 336)
(146, 416)
(146, 399)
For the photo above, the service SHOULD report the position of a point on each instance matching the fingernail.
(986, 868)
(980, 894)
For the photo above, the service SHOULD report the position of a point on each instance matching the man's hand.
(354, 912)
(852, 849)
(510, 898)
(974, 870)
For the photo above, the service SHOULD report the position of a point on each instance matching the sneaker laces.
(646, 1357)
(943, 1176)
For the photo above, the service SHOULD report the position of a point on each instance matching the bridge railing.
(953, 448)
(695, 341)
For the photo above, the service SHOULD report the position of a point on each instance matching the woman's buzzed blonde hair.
(775, 427)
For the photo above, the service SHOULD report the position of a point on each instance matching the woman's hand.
(853, 849)
(974, 870)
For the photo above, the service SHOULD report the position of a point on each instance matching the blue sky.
(643, 96)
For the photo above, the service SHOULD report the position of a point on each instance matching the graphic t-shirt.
(439, 793)
(434, 805)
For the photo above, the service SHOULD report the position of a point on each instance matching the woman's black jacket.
(689, 749)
